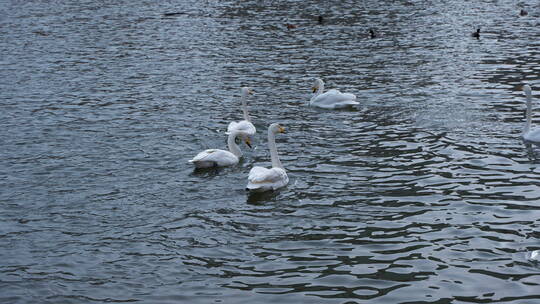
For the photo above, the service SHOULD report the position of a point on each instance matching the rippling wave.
(424, 193)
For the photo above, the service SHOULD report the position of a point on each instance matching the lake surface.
(424, 193)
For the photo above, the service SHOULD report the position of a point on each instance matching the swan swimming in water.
(261, 179)
(245, 125)
(221, 158)
(534, 255)
(333, 99)
(530, 135)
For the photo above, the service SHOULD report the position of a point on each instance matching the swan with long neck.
(333, 99)
(530, 135)
(262, 179)
(244, 125)
(221, 158)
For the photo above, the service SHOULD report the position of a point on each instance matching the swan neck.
(528, 113)
(244, 107)
(233, 147)
(273, 150)
(320, 89)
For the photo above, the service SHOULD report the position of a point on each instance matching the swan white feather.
(244, 125)
(221, 158)
(332, 99)
(530, 135)
(535, 255)
(265, 179)
(214, 158)
(262, 179)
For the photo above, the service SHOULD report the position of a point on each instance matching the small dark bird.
(41, 33)
(320, 19)
(290, 26)
(523, 13)
(476, 34)
(372, 34)
(173, 14)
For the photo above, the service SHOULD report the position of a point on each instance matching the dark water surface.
(424, 193)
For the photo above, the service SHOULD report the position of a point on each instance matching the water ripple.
(424, 193)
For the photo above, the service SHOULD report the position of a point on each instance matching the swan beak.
(250, 91)
(281, 130)
(314, 89)
(248, 142)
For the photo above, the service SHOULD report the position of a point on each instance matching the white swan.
(530, 135)
(221, 158)
(244, 125)
(535, 255)
(332, 99)
(262, 179)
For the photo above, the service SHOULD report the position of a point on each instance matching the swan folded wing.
(232, 126)
(262, 179)
(220, 157)
(533, 135)
(348, 96)
(333, 92)
(244, 126)
(338, 96)
(333, 97)
(261, 175)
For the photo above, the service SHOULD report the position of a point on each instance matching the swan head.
(247, 91)
(276, 128)
(248, 141)
(240, 136)
(318, 83)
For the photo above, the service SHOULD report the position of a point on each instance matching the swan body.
(214, 158)
(530, 135)
(245, 125)
(262, 179)
(333, 99)
(221, 158)
(535, 255)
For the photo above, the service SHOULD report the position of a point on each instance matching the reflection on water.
(424, 193)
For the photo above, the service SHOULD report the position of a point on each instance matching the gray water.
(424, 193)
